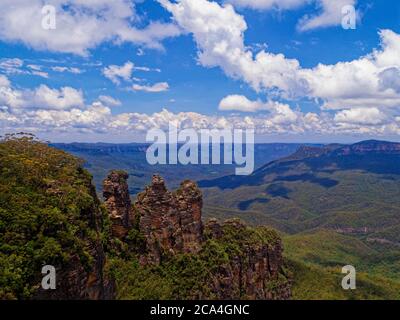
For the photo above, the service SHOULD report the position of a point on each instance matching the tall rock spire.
(118, 202)
(171, 222)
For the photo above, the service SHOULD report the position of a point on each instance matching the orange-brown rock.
(170, 222)
(118, 202)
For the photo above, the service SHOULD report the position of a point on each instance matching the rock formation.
(171, 224)
(74, 279)
(251, 271)
(118, 202)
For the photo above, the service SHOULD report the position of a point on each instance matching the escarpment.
(82, 276)
(236, 261)
(254, 267)
(52, 225)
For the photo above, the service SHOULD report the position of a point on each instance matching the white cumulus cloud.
(117, 73)
(42, 97)
(80, 25)
(370, 81)
(364, 116)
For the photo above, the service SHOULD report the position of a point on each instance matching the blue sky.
(112, 71)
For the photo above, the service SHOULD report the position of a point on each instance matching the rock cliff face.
(253, 271)
(74, 279)
(74, 282)
(171, 224)
(118, 202)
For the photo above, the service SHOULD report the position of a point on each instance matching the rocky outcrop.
(78, 279)
(251, 264)
(254, 270)
(75, 282)
(170, 222)
(118, 203)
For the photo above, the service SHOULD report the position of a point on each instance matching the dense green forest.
(44, 194)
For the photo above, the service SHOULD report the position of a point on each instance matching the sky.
(292, 70)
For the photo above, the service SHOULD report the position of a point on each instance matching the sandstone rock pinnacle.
(171, 222)
(118, 202)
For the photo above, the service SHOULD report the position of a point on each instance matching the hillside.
(335, 205)
(49, 215)
(352, 189)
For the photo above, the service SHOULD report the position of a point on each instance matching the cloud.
(73, 70)
(12, 65)
(330, 11)
(157, 87)
(97, 118)
(361, 116)
(34, 67)
(147, 69)
(280, 113)
(10, 99)
(17, 66)
(240, 103)
(268, 4)
(40, 74)
(46, 98)
(94, 115)
(331, 15)
(80, 25)
(109, 101)
(53, 110)
(365, 82)
(41, 97)
(4, 82)
(390, 79)
(219, 34)
(63, 110)
(117, 73)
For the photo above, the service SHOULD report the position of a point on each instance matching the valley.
(333, 205)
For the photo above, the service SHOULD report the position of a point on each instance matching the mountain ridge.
(310, 152)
